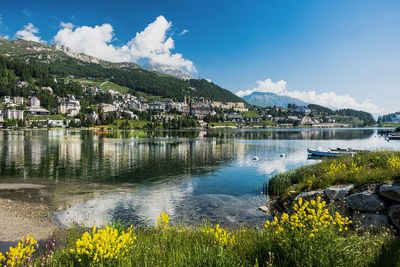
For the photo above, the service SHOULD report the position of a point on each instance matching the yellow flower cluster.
(162, 221)
(310, 216)
(335, 168)
(220, 235)
(21, 254)
(354, 168)
(107, 244)
(2, 258)
(394, 162)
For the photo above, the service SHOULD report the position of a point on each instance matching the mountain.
(268, 99)
(62, 63)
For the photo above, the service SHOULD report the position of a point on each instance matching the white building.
(13, 114)
(107, 108)
(18, 100)
(34, 102)
(69, 106)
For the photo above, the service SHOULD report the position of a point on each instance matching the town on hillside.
(128, 111)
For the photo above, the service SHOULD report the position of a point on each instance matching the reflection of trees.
(311, 134)
(86, 155)
(123, 156)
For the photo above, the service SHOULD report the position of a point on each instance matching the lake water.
(96, 178)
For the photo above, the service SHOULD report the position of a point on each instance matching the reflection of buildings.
(64, 155)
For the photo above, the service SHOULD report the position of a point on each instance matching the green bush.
(362, 168)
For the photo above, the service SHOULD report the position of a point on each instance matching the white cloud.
(29, 33)
(332, 100)
(265, 86)
(185, 31)
(66, 25)
(152, 45)
(327, 99)
(93, 41)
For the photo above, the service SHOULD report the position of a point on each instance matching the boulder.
(310, 194)
(390, 191)
(338, 192)
(264, 209)
(365, 201)
(394, 215)
(370, 220)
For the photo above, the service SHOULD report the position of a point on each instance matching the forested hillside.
(53, 61)
(344, 115)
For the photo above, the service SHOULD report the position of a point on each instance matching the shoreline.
(20, 216)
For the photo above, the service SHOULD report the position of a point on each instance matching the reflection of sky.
(210, 178)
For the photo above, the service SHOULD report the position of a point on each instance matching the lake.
(131, 176)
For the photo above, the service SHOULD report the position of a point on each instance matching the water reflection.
(131, 176)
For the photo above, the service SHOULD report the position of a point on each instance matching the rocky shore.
(21, 213)
(372, 206)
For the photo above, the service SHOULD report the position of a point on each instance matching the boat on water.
(319, 153)
(394, 136)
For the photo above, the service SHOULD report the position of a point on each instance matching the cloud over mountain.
(327, 99)
(152, 45)
(29, 33)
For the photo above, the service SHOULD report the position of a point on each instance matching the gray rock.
(338, 192)
(390, 191)
(370, 220)
(310, 194)
(394, 215)
(365, 201)
(264, 209)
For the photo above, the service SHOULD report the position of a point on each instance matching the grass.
(251, 114)
(103, 85)
(363, 168)
(45, 117)
(223, 124)
(208, 245)
(391, 124)
(133, 124)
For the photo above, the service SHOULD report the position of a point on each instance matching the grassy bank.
(290, 240)
(363, 168)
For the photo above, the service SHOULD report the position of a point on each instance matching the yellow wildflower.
(220, 235)
(162, 221)
(310, 216)
(107, 244)
(394, 162)
(20, 254)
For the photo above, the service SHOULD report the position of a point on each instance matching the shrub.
(21, 254)
(107, 245)
(361, 169)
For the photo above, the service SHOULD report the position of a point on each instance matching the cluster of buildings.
(128, 105)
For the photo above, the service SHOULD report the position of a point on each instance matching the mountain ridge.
(269, 99)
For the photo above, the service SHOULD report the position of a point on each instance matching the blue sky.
(339, 53)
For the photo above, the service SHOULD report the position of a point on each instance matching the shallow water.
(95, 178)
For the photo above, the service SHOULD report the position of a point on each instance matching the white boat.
(255, 158)
(328, 153)
(394, 136)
